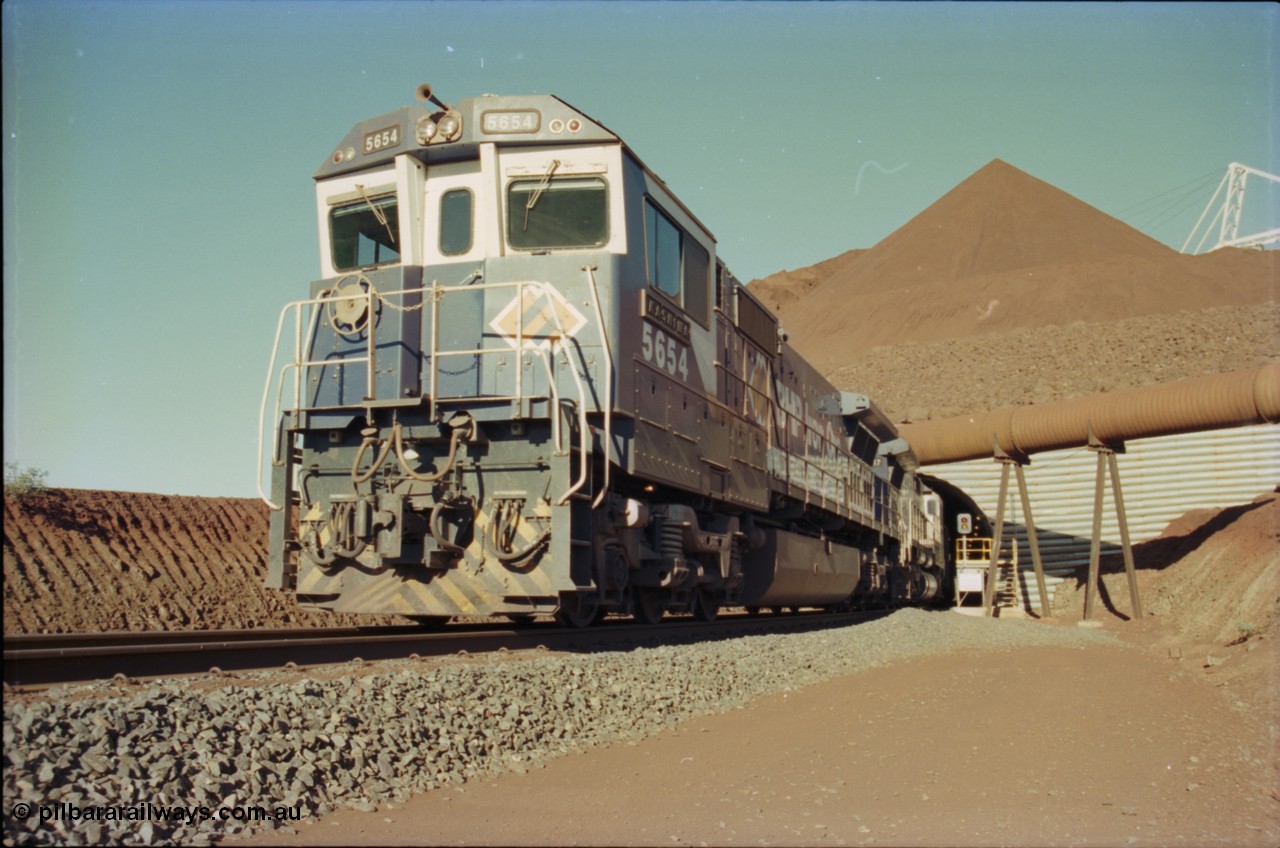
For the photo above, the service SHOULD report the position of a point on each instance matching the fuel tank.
(792, 570)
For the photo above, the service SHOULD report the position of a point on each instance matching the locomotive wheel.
(648, 605)
(705, 605)
(578, 609)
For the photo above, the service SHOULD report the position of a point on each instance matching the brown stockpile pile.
(1007, 291)
(785, 289)
(88, 561)
(918, 381)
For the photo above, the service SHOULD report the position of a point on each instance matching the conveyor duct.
(1215, 402)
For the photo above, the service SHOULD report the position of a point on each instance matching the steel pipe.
(1215, 402)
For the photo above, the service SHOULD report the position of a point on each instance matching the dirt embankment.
(1214, 573)
(1209, 585)
(88, 561)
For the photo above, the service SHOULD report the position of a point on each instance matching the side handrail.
(296, 366)
(555, 403)
(584, 432)
(608, 384)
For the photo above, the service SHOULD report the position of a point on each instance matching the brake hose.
(456, 437)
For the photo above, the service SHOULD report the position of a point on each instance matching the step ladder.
(973, 563)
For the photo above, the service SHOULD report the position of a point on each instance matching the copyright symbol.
(22, 811)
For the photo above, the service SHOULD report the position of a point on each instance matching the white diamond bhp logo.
(538, 314)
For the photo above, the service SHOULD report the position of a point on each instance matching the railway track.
(40, 660)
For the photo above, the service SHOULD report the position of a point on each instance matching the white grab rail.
(556, 343)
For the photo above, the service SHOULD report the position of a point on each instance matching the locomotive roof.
(530, 119)
(540, 119)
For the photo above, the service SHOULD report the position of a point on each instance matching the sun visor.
(901, 451)
(863, 410)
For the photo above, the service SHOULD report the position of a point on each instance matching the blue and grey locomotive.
(526, 384)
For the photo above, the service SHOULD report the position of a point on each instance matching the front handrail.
(555, 343)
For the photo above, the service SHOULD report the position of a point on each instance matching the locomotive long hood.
(1215, 402)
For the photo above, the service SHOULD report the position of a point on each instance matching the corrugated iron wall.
(1162, 478)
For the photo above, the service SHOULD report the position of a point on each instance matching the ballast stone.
(317, 744)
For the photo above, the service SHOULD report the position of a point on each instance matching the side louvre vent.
(756, 323)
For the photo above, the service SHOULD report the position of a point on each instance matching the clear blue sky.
(158, 160)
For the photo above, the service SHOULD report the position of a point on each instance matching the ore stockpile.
(1008, 291)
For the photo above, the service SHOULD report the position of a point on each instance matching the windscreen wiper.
(377, 213)
(537, 192)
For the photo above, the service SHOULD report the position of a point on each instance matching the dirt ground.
(1168, 738)
(1170, 741)
(1040, 746)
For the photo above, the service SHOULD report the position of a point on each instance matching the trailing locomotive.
(526, 384)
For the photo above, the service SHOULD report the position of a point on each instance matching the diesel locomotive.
(525, 383)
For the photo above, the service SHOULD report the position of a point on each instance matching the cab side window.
(678, 266)
(662, 238)
(456, 221)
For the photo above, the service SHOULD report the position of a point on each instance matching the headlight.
(450, 126)
(426, 129)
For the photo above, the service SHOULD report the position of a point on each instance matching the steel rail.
(42, 660)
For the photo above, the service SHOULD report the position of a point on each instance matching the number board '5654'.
(665, 352)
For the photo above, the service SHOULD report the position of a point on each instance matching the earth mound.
(1213, 573)
(1010, 291)
(785, 289)
(78, 561)
(1210, 592)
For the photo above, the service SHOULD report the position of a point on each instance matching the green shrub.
(23, 483)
